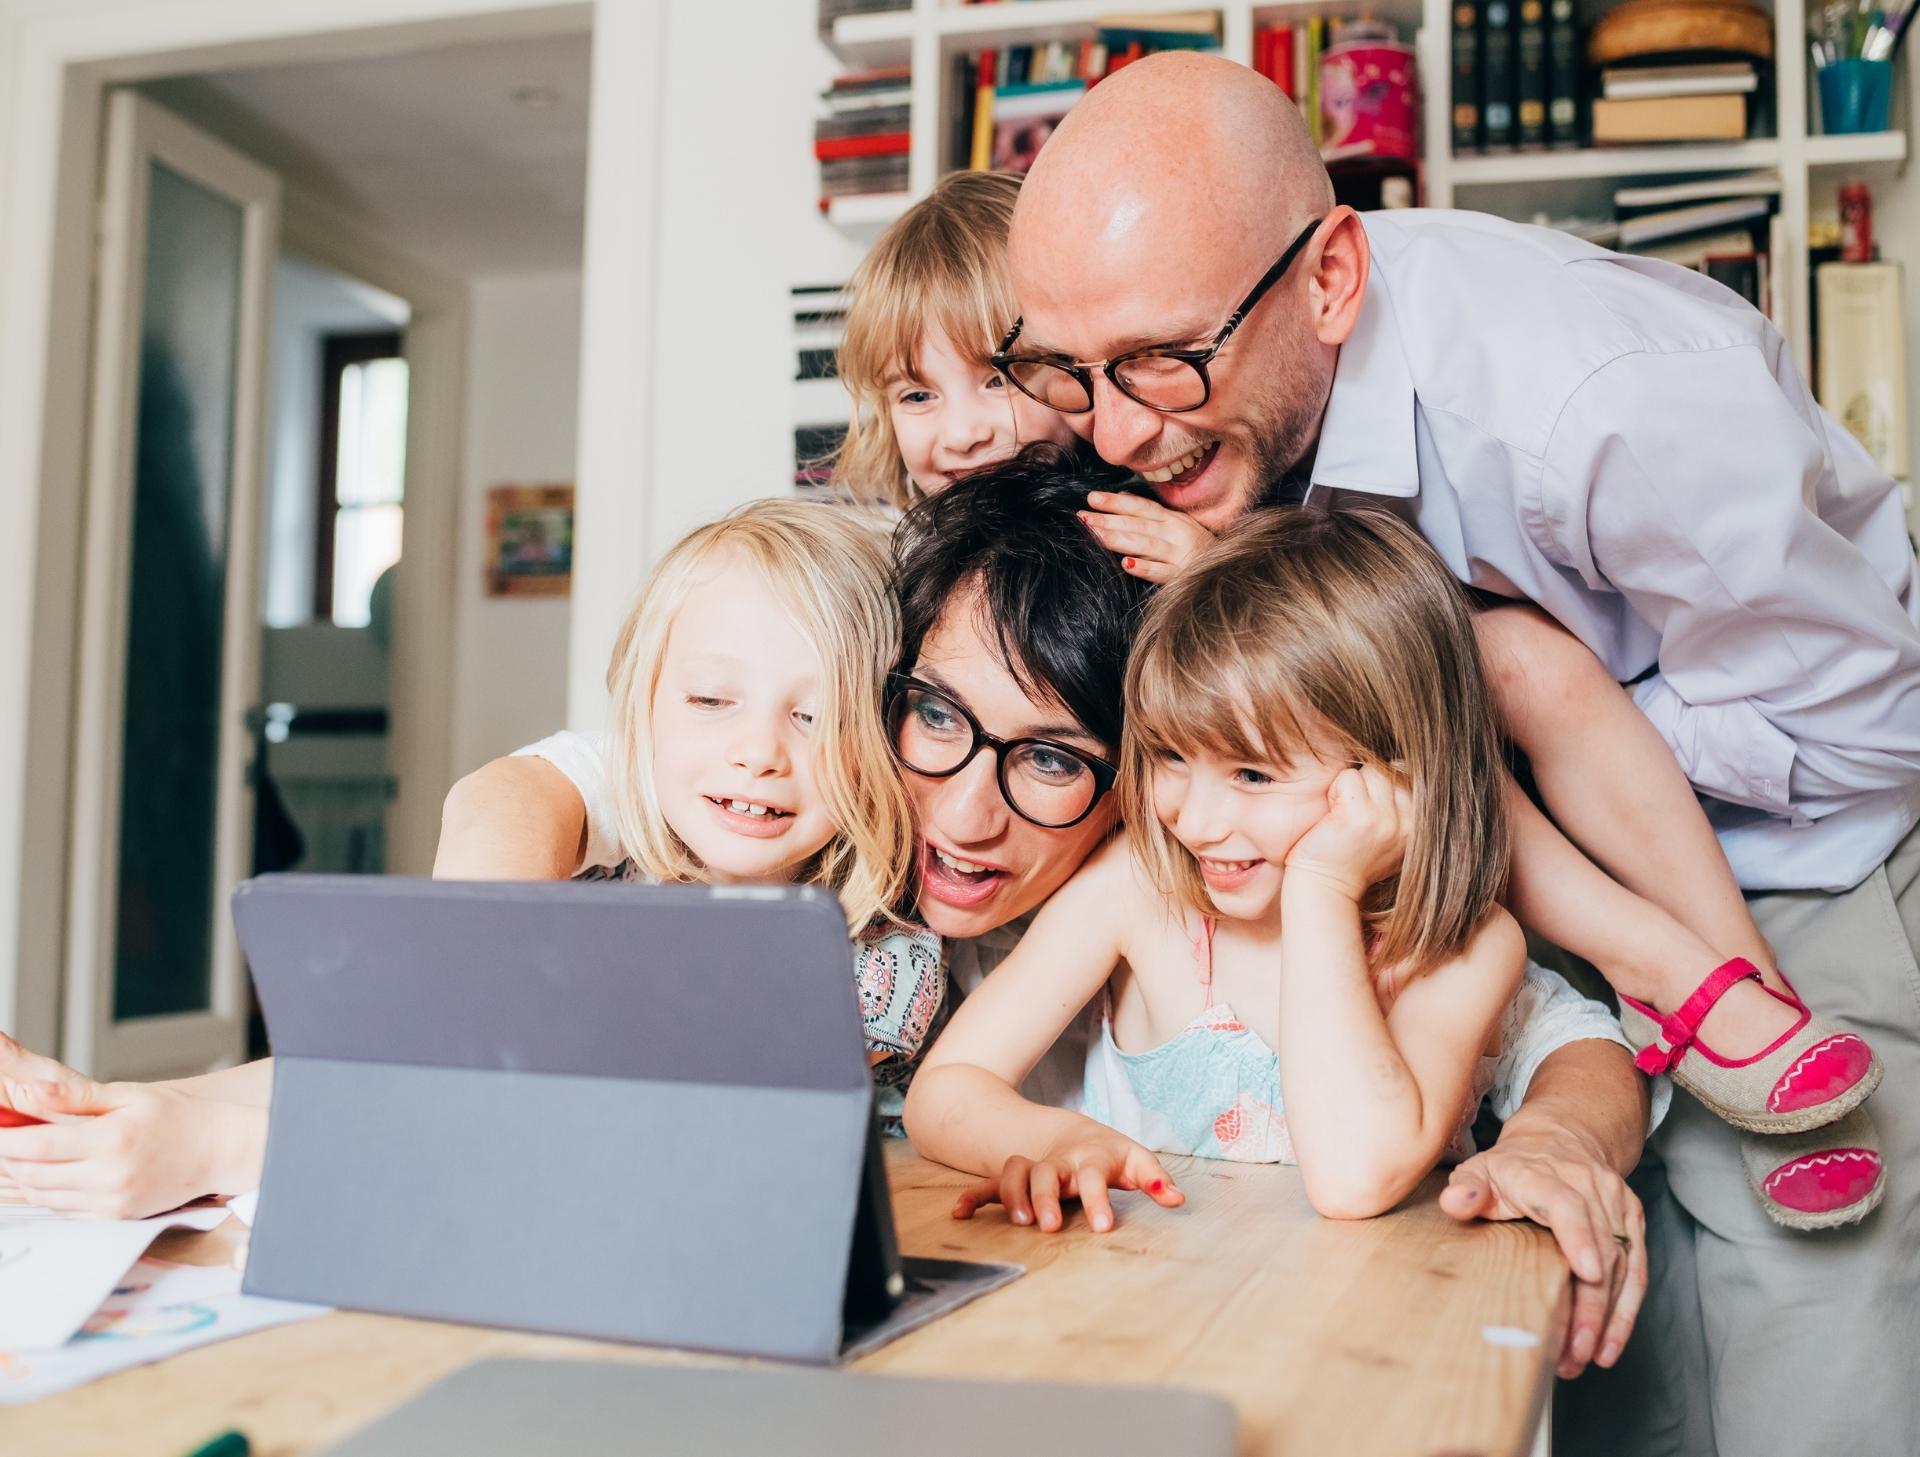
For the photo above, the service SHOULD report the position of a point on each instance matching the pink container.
(1369, 99)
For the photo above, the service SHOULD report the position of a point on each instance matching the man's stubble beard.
(1285, 436)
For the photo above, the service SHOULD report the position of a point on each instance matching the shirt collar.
(1366, 439)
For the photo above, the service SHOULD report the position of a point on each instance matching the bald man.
(1629, 446)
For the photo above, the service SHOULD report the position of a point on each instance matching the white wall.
(523, 376)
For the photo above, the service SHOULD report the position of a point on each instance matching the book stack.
(832, 10)
(821, 405)
(1726, 227)
(1012, 97)
(863, 140)
(1516, 75)
(1702, 102)
(1289, 56)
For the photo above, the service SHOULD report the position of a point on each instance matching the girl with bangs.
(1300, 941)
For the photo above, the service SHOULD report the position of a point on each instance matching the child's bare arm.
(1153, 541)
(1372, 1099)
(518, 818)
(964, 1108)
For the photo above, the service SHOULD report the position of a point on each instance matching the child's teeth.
(741, 807)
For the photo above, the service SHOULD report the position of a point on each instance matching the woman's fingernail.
(1128, 563)
(1019, 1216)
(1609, 1353)
(1156, 1186)
(1583, 1345)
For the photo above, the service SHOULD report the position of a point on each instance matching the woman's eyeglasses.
(1045, 782)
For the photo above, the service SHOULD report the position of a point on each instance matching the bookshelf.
(928, 33)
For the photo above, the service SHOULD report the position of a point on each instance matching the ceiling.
(471, 158)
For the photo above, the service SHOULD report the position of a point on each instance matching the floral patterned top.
(1213, 1089)
(900, 976)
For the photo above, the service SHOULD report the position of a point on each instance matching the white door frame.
(57, 58)
(140, 134)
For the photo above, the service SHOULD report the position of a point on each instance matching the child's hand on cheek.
(1154, 541)
(1361, 839)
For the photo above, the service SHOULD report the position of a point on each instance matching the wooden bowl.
(1666, 27)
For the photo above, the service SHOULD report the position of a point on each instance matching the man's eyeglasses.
(1044, 782)
(1170, 380)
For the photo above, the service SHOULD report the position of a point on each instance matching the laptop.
(622, 1111)
(508, 1408)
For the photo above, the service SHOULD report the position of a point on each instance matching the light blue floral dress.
(1212, 1089)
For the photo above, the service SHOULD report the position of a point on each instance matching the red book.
(1280, 59)
(888, 144)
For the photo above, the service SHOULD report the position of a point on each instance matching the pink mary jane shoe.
(1813, 1074)
(1819, 1180)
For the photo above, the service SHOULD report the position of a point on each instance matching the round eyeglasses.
(1045, 782)
(1172, 381)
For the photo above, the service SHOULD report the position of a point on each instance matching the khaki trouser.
(1756, 1340)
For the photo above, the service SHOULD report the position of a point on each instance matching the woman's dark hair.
(1054, 601)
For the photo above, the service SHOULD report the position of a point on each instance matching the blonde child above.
(1300, 942)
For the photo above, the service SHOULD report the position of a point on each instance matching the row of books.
(1516, 75)
(1011, 98)
(863, 140)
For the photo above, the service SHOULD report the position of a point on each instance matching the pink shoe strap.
(1679, 1027)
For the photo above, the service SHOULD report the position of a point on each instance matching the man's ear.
(1340, 271)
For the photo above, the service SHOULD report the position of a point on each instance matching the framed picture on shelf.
(530, 541)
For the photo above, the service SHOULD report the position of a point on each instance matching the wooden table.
(1407, 1334)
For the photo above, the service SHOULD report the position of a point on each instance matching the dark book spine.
(1563, 75)
(1497, 72)
(1466, 76)
(1530, 80)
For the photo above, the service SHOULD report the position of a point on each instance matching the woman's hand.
(1363, 836)
(124, 1150)
(1084, 1167)
(1153, 541)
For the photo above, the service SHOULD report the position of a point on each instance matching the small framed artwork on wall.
(530, 541)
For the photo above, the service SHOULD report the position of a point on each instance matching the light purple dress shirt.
(1630, 446)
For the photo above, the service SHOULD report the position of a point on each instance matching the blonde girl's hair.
(828, 569)
(942, 265)
(1336, 632)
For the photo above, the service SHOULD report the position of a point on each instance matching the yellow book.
(982, 158)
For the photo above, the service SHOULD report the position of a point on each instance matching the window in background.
(363, 457)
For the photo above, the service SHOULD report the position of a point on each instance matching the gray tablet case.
(509, 1408)
(632, 1112)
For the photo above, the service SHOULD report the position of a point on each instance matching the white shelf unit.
(930, 33)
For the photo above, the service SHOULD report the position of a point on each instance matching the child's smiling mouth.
(749, 816)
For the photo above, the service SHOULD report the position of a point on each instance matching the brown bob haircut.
(1337, 632)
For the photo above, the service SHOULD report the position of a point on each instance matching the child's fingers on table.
(1144, 1172)
(1016, 1190)
(1090, 1183)
(1045, 1184)
(976, 1197)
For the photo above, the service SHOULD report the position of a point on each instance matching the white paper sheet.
(158, 1309)
(54, 1271)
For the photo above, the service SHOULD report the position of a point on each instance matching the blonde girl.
(747, 743)
(1300, 942)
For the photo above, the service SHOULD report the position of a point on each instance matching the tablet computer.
(617, 1110)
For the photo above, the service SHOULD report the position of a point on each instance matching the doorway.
(315, 728)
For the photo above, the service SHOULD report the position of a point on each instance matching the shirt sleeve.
(1757, 539)
(902, 981)
(582, 758)
(1546, 1015)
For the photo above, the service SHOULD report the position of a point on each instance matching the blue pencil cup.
(1855, 95)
